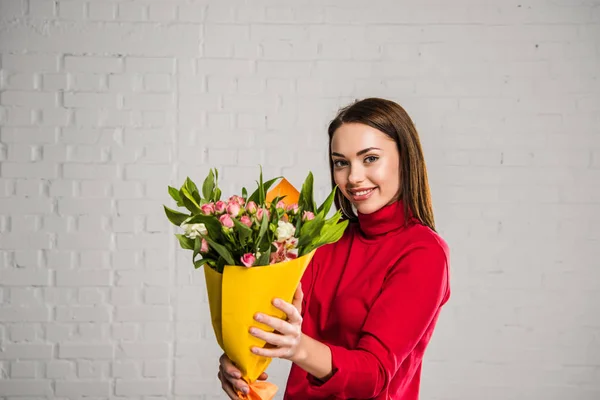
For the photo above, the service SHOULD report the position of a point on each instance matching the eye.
(371, 159)
(339, 163)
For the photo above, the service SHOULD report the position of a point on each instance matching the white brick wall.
(105, 103)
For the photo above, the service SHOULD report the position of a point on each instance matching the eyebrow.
(360, 153)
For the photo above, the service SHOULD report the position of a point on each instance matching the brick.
(83, 314)
(25, 241)
(34, 63)
(24, 332)
(71, 10)
(84, 206)
(145, 387)
(75, 388)
(102, 11)
(26, 351)
(28, 99)
(90, 100)
(149, 101)
(126, 241)
(83, 278)
(93, 64)
(23, 369)
(84, 171)
(143, 350)
(92, 351)
(60, 369)
(156, 369)
(24, 314)
(80, 241)
(26, 387)
(143, 313)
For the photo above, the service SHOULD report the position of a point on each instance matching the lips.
(361, 191)
(361, 194)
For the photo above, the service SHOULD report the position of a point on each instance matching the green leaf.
(208, 186)
(175, 217)
(265, 257)
(331, 235)
(326, 206)
(201, 262)
(175, 195)
(244, 193)
(223, 252)
(266, 186)
(185, 242)
(188, 200)
(243, 231)
(310, 231)
(306, 194)
(264, 224)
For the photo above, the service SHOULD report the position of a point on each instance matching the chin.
(368, 208)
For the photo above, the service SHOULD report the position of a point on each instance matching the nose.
(356, 175)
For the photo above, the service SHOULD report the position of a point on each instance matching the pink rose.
(261, 212)
(246, 221)
(226, 221)
(220, 207)
(251, 207)
(204, 247)
(280, 205)
(292, 208)
(248, 259)
(307, 216)
(207, 209)
(237, 199)
(233, 209)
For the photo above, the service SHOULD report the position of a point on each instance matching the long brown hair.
(391, 119)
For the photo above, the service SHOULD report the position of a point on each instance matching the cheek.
(388, 177)
(339, 178)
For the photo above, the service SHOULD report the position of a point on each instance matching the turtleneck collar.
(385, 220)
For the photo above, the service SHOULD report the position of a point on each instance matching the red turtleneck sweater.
(373, 298)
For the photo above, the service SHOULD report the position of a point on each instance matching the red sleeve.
(415, 288)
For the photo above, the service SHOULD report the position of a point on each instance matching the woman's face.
(366, 166)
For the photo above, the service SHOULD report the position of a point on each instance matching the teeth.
(363, 192)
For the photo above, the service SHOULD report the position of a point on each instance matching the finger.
(277, 352)
(293, 315)
(227, 388)
(263, 377)
(276, 323)
(238, 384)
(271, 338)
(229, 368)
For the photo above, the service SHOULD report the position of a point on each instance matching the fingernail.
(276, 302)
(237, 375)
(245, 390)
(258, 317)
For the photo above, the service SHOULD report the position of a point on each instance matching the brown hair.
(391, 119)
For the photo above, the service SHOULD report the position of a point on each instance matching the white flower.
(194, 230)
(284, 231)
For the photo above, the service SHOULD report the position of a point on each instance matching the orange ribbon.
(260, 390)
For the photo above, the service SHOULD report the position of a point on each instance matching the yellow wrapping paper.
(239, 293)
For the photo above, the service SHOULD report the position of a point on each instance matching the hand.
(285, 341)
(231, 378)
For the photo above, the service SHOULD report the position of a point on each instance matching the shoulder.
(424, 238)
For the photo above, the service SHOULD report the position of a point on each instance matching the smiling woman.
(367, 306)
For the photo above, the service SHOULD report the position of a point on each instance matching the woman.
(367, 305)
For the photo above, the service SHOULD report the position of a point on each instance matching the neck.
(383, 221)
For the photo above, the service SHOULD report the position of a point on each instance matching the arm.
(408, 303)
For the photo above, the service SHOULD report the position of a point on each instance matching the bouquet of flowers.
(253, 249)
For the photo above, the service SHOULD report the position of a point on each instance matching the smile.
(362, 192)
(361, 195)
